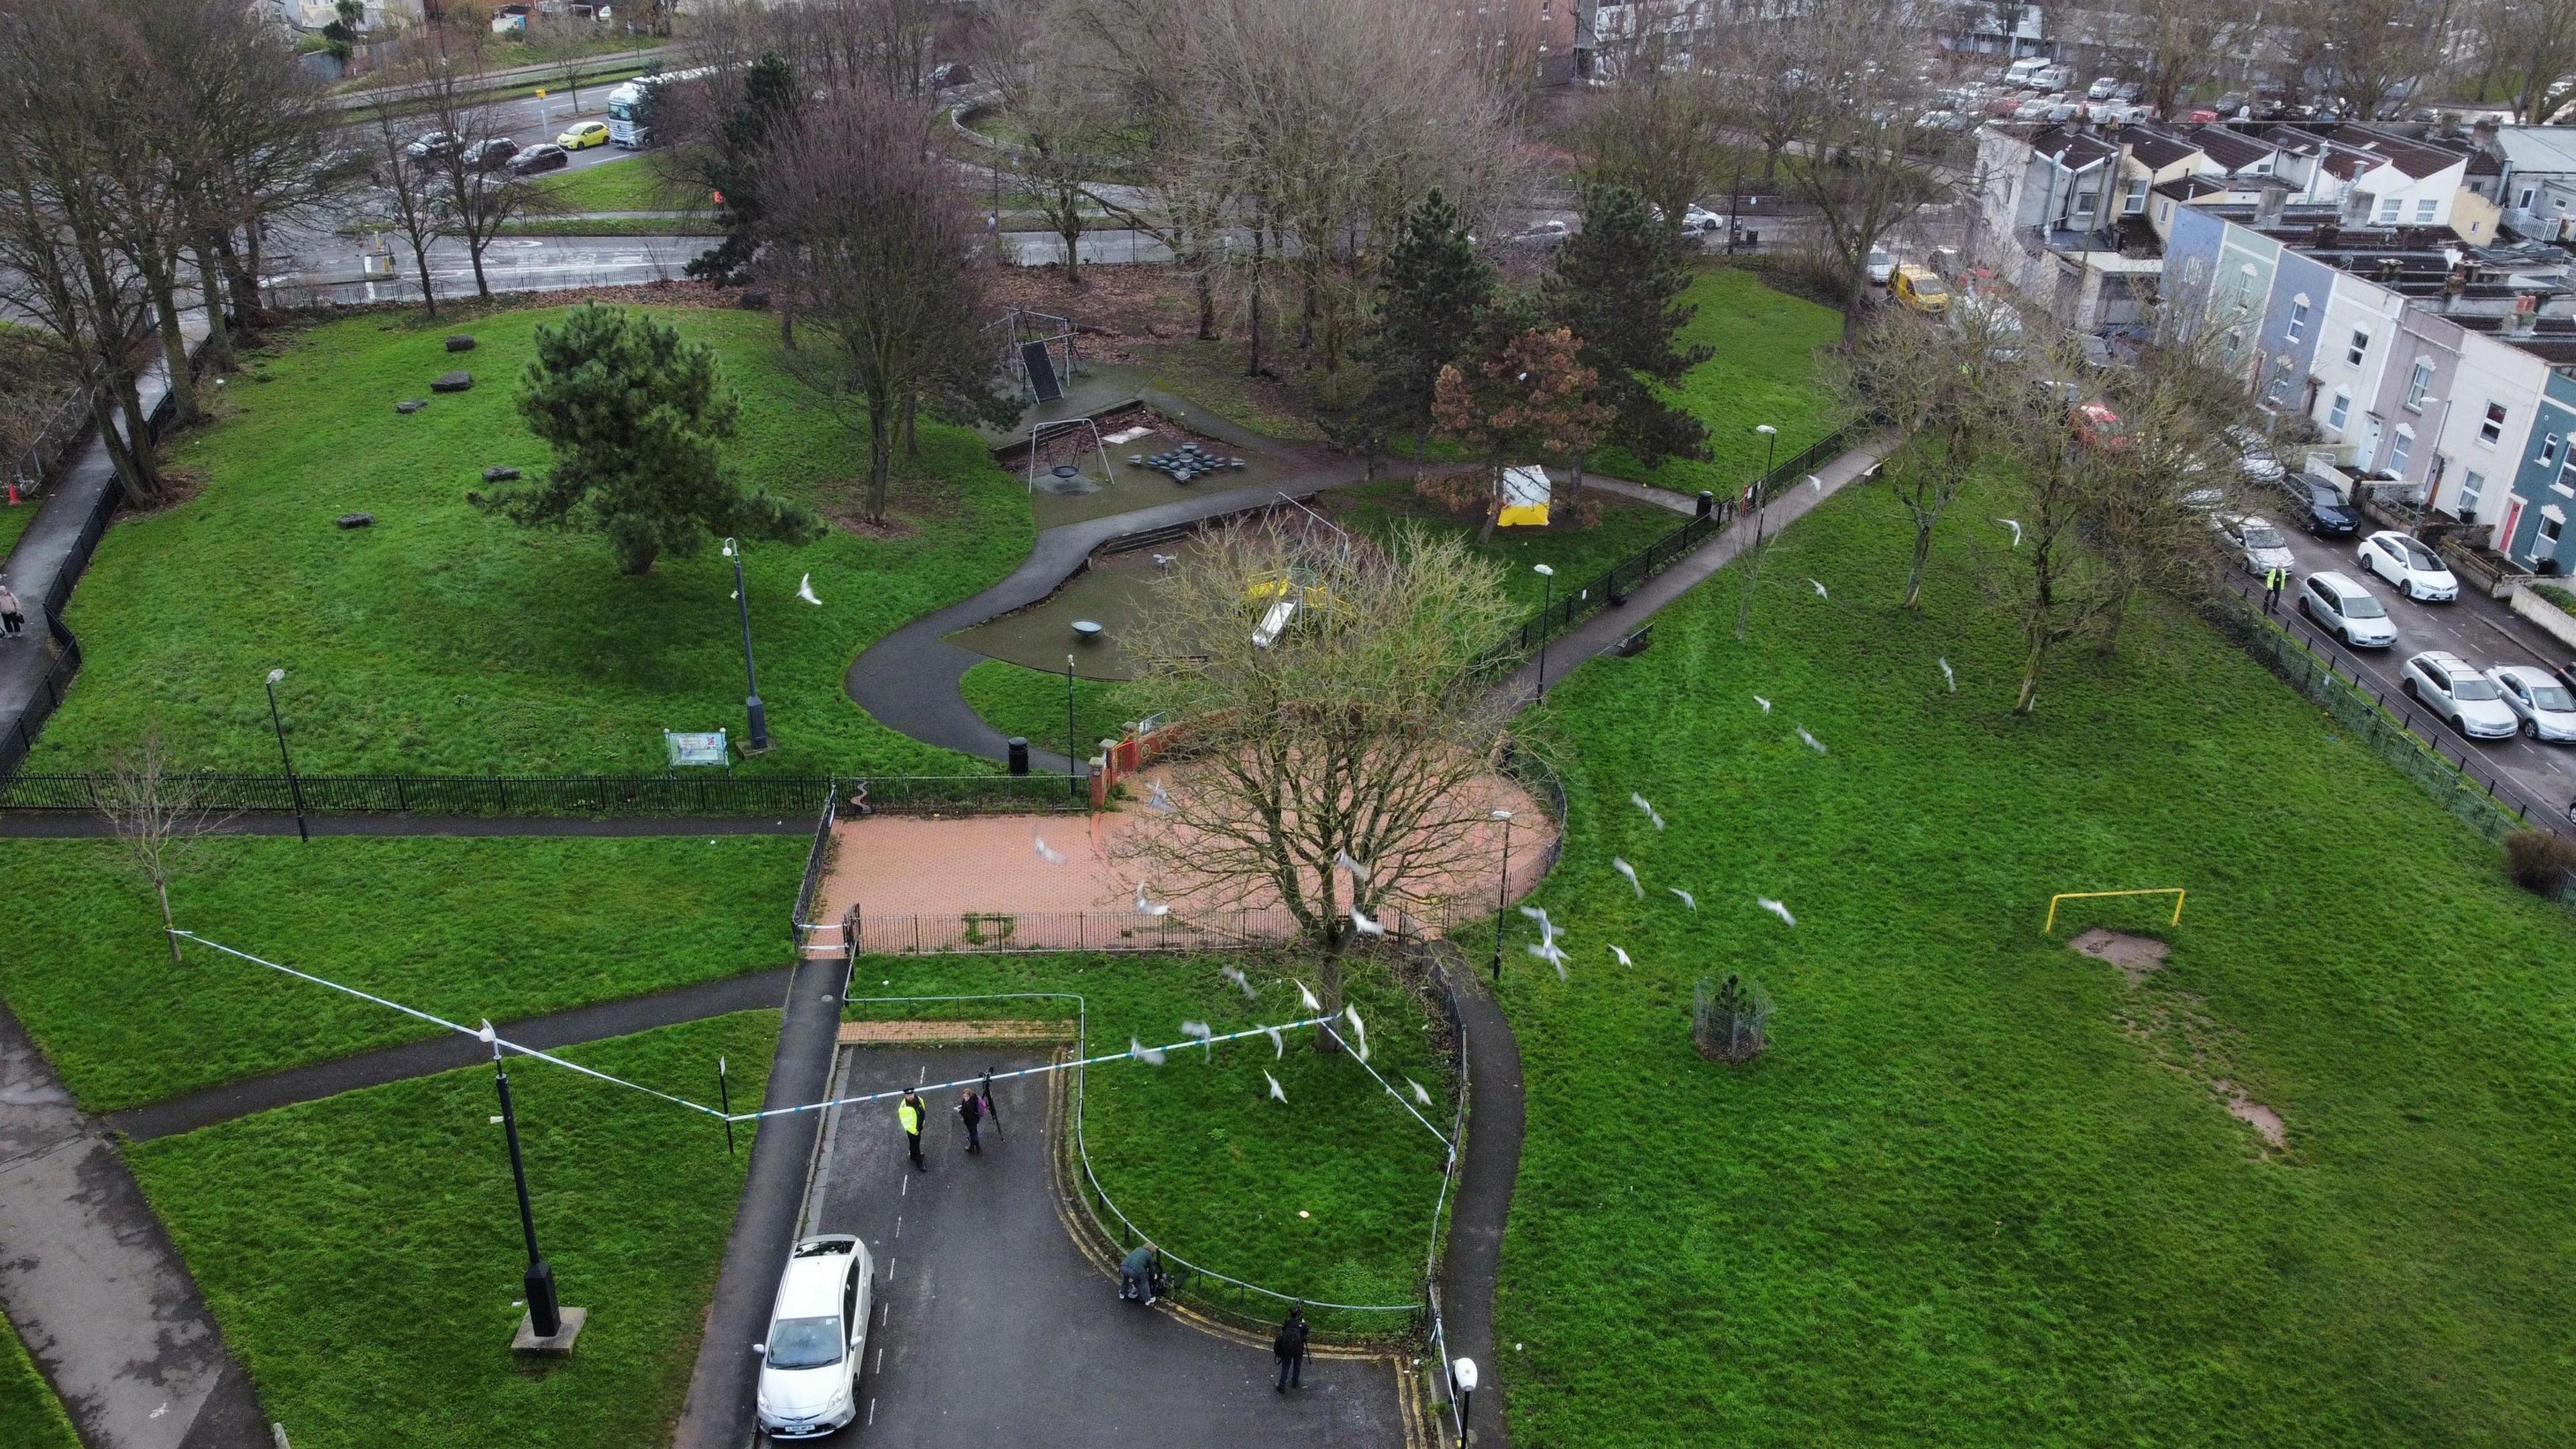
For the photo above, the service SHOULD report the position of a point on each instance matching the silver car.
(2352, 613)
(2465, 699)
(2546, 707)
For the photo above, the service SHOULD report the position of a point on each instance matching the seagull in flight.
(1766, 704)
(1685, 895)
(1343, 859)
(1159, 800)
(1150, 1056)
(1947, 675)
(1640, 802)
(1630, 871)
(1419, 1095)
(2015, 525)
(805, 591)
(1235, 975)
(1308, 997)
(1622, 955)
(1200, 1032)
(1146, 907)
(1276, 1095)
(1815, 482)
(1278, 1046)
(1359, 1029)
(1820, 588)
(1775, 908)
(1366, 927)
(1813, 743)
(1050, 856)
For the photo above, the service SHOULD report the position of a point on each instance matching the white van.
(2023, 69)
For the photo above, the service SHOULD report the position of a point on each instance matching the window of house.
(2525, 203)
(2359, 349)
(2549, 528)
(2473, 485)
(2084, 202)
(2492, 430)
(2340, 410)
(2398, 448)
(2549, 450)
(2388, 211)
(2425, 210)
(2134, 200)
(2419, 383)
(2298, 320)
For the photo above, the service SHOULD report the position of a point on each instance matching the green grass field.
(1763, 372)
(14, 521)
(1195, 1151)
(1578, 555)
(1981, 1190)
(464, 928)
(632, 184)
(362, 1253)
(1018, 700)
(446, 639)
(30, 1416)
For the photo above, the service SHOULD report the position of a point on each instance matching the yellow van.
(1916, 287)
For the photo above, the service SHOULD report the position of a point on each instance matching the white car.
(2259, 545)
(1882, 265)
(2417, 571)
(2546, 707)
(1698, 218)
(2102, 89)
(2254, 456)
(818, 1337)
(2465, 699)
(2354, 615)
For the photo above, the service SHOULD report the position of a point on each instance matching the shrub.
(2557, 594)
(1730, 1022)
(2539, 861)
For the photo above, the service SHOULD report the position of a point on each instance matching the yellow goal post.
(2173, 891)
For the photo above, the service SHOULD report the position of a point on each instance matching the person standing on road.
(13, 621)
(984, 1098)
(909, 1113)
(970, 1112)
(1290, 1349)
(2273, 580)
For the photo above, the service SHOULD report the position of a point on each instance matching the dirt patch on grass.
(2136, 956)
(2179, 1031)
(2253, 1114)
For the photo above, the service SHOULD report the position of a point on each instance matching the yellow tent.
(1525, 495)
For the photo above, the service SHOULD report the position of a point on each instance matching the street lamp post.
(1545, 609)
(294, 786)
(1770, 450)
(1503, 890)
(759, 740)
(545, 1315)
(1070, 754)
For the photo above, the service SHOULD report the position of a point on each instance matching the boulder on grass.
(500, 475)
(356, 520)
(460, 343)
(411, 405)
(452, 382)
(755, 299)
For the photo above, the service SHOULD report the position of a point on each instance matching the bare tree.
(2534, 42)
(2174, 45)
(1935, 388)
(479, 198)
(1071, 142)
(159, 816)
(1331, 710)
(408, 192)
(1661, 135)
(2363, 52)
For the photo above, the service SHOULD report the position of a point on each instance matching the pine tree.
(732, 168)
(1617, 284)
(1436, 292)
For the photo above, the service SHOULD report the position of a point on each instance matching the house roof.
(2229, 149)
(2157, 150)
(2538, 148)
(2417, 159)
(2075, 150)
(2185, 188)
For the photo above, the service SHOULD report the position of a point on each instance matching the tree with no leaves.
(1529, 398)
(158, 816)
(1661, 135)
(2175, 45)
(409, 194)
(1935, 387)
(1362, 730)
(477, 201)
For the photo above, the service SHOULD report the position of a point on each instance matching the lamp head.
(1463, 1370)
(728, 548)
(1543, 570)
(1765, 429)
(275, 675)
(1502, 815)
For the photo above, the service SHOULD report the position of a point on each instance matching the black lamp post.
(1545, 624)
(294, 786)
(1502, 893)
(759, 740)
(545, 1317)
(1070, 754)
(1770, 450)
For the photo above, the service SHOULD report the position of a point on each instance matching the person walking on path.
(1136, 1275)
(971, 1112)
(1290, 1348)
(984, 1098)
(2273, 579)
(13, 620)
(909, 1113)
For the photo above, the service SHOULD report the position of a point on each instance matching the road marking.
(898, 1227)
(872, 1400)
(880, 1361)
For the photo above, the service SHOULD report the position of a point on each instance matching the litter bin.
(1707, 503)
(1019, 755)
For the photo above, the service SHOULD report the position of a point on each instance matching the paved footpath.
(1486, 1174)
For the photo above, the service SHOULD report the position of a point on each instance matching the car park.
(2335, 603)
(2259, 546)
(545, 156)
(2318, 507)
(2466, 700)
(1917, 288)
(582, 135)
(2546, 707)
(2254, 456)
(817, 1340)
(435, 146)
(491, 153)
(2416, 571)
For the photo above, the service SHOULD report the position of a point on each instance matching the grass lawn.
(362, 1253)
(632, 184)
(1195, 1151)
(1981, 1190)
(447, 639)
(671, 225)
(1018, 700)
(1763, 372)
(464, 928)
(30, 1416)
(14, 521)
(1578, 555)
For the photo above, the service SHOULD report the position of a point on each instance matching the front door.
(2504, 533)
(2369, 459)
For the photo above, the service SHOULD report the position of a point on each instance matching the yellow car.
(1916, 287)
(584, 136)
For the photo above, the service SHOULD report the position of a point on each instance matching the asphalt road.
(2478, 629)
(993, 1329)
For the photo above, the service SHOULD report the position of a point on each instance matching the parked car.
(2103, 88)
(1881, 263)
(2417, 571)
(582, 135)
(2318, 507)
(2054, 78)
(1989, 317)
(1917, 288)
(544, 156)
(2097, 425)
(2335, 603)
(818, 1337)
(2466, 700)
(1543, 234)
(2254, 456)
(2259, 546)
(491, 153)
(1699, 221)
(435, 146)
(2546, 707)
(2030, 110)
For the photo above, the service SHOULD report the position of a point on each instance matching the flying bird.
(805, 591)
(1815, 482)
(1359, 1030)
(1235, 975)
(1419, 1095)
(1051, 857)
(1630, 871)
(1278, 1046)
(1539, 914)
(2015, 525)
(1308, 997)
(1343, 859)
(1549, 952)
(1622, 955)
(1820, 588)
(1366, 927)
(1766, 704)
(1947, 675)
(1812, 742)
(1150, 1056)
(1165, 560)
(1775, 908)
(1158, 799)
(1200, 1032)
(1640, 801)
(1685, 895)
(1146, 907)
(1276, 1095)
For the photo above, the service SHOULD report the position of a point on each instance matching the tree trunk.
(1493, 510)
(474, 249)
(254, 240)
(1914, 570)
(880, 457)
(218, 351)
(428, 289)
(138, 434)
(129, 470)
(174, 357)
(911, 437)
(243, 282)
(786, 322)
(1072, 235)
(169, 924)
(2029, 699)
(1207, 306)
(1260, 231)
